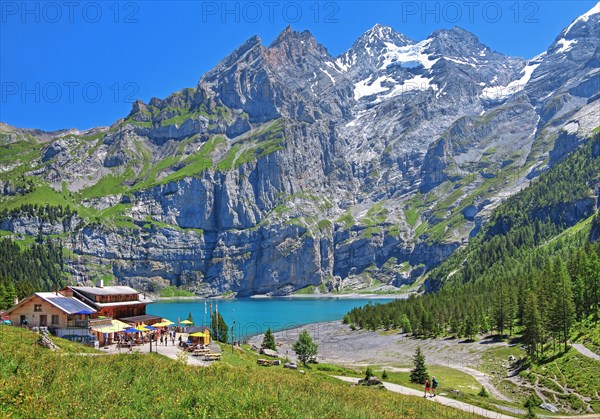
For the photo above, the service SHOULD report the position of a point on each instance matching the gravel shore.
(340, 345)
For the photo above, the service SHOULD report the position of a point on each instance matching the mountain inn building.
(84, 310)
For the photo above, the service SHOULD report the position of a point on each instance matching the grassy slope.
(572, 371)
(172, 291)
(35, 380)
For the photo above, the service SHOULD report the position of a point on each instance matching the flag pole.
(232, 330)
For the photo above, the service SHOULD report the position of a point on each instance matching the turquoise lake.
(254, 315)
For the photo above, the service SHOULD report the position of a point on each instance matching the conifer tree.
(10, 294)
(499, 309)
(562, 309)
(484, 325)
(511, 309)
(269, 340)
(2, 296)
(419, 373)
(219, 329)
(469, 328)
(532, 333)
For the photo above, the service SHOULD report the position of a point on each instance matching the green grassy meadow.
(36, 382)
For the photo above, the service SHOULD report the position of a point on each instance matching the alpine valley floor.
(458, 364)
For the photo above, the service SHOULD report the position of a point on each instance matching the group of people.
(165, 336)
(161, 337)
(431, 386)
(124, 341)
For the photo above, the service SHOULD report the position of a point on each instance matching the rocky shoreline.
(291, 296)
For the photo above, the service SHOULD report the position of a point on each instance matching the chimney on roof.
(16, 301)
(100, 283)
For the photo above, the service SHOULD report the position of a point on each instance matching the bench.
(212, 357)
(199, 352)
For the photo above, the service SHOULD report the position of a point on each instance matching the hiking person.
(161, 340)
(434, 385)
(427, 387)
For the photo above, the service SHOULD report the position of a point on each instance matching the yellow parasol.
(164, 323)
(187, 322)
(116, 326)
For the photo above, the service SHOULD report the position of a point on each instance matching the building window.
(43, 320)
(37, 307)
(23, 319)
(55, 319)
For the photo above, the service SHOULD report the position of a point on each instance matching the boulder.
(269, 352)
(371, 381)
(290, 366)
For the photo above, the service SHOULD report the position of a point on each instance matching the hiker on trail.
(434, 385)
(427, 387)
(161, 340)
(129, 344)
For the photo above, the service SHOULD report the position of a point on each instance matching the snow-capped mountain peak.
(368, 50)
(583, 18)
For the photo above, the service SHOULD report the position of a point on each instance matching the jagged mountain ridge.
(405, 147)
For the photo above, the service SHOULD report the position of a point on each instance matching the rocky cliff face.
(286, 167)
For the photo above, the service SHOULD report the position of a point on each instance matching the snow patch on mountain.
(416, 83)
(503, 92)
(454, 60)
(584, 17)
(565, 45)
(409, 56)
(328, 75)
(345, 66)
(367, 88)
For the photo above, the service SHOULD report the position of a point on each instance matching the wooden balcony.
(89, 322)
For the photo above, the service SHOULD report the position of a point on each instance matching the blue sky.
(81, 64)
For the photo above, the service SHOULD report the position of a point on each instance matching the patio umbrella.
(85, 311)
(150, 328)
(7, 322)
(187, 322)
(131, 330)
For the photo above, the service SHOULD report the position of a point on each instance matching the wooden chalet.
(61, 314)
(116, 302)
